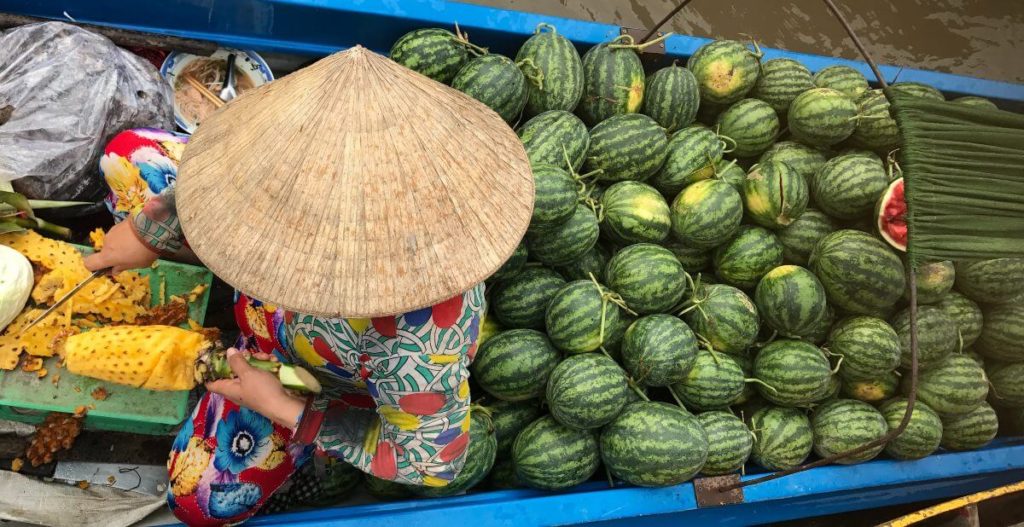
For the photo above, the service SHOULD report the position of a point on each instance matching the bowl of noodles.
(190, 107)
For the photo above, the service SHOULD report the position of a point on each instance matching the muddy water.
(982, 38)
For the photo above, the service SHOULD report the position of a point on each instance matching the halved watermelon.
(891, 215)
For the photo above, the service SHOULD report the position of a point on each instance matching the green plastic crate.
(26, 398)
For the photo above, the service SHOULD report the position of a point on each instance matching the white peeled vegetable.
(15, 284)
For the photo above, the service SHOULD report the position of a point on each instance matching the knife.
(65, 298)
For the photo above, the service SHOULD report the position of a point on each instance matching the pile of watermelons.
(713, 274)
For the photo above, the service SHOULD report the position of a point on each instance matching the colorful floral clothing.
(137, 165)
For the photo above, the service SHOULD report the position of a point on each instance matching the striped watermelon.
(591, 263)
(749, 394)
(819, 334)
(748, 256)
(934, 282)
(586, 391)
(480, 456)
(752, 125)
(551, 456)
(715, 381)
(835, 389)
(613, 343)
(626, 147)
(654, 444)
(979, 102)
(659, 350)
(732, 173)
(514, 365)
(635, 212)
(1007, 384)
(783, 437)
(804, 159)
(706, 214)
(725, 70)
(792, 372)
(872, 391)
(708, 112)
(1002, 337)
(509, 418)
(791, 301)
(844, 79)
(922, 435)
(848, 186)
(693, 260)
(991, 281)
(775, 195)
(729, 442)
(692, 153)
(955, 386)
(521, 301)
(560, 68)
(860, 273)
(970, 431)
(936, 336)
(434, 52)
(386, 490)
(780, 82)
(565, 243)
(869, 347)
(648, 277)
(495, 81)
(613, 83)
(552, 136)
(672, 97)
(574, 318)
(513, 265)
(918, 89)
(799, 238)
(555, 197)
(842, 425)
(822, 117)
(503, 476)
(876, 129)
(724, 316)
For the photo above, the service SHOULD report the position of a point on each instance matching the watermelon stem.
(675, 396)
(608, 473)
(545, 25)
(640, 393)
(463, 38)
(638, 47)
(728, 143)
(762, 383)
(537, 78)
(838, 364)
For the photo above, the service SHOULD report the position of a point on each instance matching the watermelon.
(587, 391)
(819, 333)
(337, 483)
(1007, 384)
(775, 195)
(648, 277)
(936, 336)
(692, 154)
(434, 52)
(386, 490)
(555, 197)
(551, 456)
(672, 97)
(918, 89)
(693, 260)
(804, 159)
(629, 147)
(653, 444)
(552, 136)
(970, 431)
(659, 350)
(872, 391)
(955, 386)
(991, 281)
(708, 112)
(732, 173)
(495, 81)
(725, 317)
(922, 435)
(522, 301)
(503, 476)
(848, 186)
(513, 265)
(843, 79)
(876, 129)
(749, 394)
(635, 212)
(869, 348)
(791, 301)
(715, 381)
(748, 256)
(799, 238)
(781, 80)
(488, 329)
(574, 318)
(822, 117)
(783, 437)
(509, 418)
(860, 274)
(480, 456)
(792, 372)
(843, 425)
(725, 70)
(514, 365)
(729, 442)
(706, 214)
(979, 102)
(558, 64)
(891, 216)
(1002, 337)
(934, 282)
(613, 83)
(751, 124)
(613, 343)
(565, 243)
(592, 263)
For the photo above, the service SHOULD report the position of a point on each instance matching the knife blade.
(64, 299)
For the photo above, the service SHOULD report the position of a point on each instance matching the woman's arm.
(137, 243)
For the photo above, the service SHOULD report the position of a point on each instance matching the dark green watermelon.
(514, 365)
(586, 391)
(799, 238)
(991, 281)
(672, 97)
(783, 437)
(434, 52)
(861, 274)
(691, 156)
(551, 456)
(936, 336)
(791, 301)
(613, 83)
(715, 381)
(955, 386)
(780, 82)
(802, 158)
(725, 317)
(574, 318)
(843, 425)
(1002, 337)
(849, 186)
(654, 444)
(495, 81)
(822, 117)
(563, 244)
(521, 301)
(751, 124)
(922, 435)
(648, 277)
(629, 147)
(513, 265)
(748, 256)
(725, 70)
(792, 372)
(970, 431)
(555, 60)
(729, 442)
(775, 195)
(843, 79)
(869, 347)
(634, 213)
(659, 350)
(553, 136)
(706, 214)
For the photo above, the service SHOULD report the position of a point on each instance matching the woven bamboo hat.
(354, 187)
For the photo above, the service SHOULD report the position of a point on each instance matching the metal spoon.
(228, 92)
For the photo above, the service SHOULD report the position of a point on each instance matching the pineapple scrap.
(96, 237)
(10, 352)
(17, 464)
(32, 364)
(40, 340)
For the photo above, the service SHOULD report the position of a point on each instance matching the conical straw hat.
(354, 187)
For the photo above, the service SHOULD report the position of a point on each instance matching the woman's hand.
(259, 391)
(122, 250)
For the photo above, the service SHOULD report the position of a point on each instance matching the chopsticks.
(204, 91)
